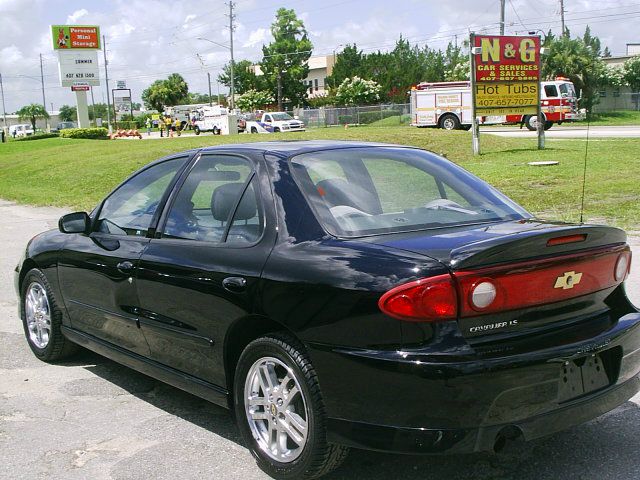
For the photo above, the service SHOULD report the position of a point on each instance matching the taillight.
(427, 300)
(508, 287)
(622, 266)
(483, 293)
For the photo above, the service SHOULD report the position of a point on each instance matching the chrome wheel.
(276, 409)
(448, 123)
(38, 315)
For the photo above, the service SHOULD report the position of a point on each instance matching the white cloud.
(77, 15)
(258, 36)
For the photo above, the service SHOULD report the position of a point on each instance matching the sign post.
(505, 79)
(77, 47)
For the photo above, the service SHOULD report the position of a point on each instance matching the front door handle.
(234, 284)
(125, 267)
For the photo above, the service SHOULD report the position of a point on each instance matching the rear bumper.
(412, 402)
(433, 441)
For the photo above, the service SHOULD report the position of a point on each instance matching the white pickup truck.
(274, 122)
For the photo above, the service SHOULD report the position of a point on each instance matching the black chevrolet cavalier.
(341, 294)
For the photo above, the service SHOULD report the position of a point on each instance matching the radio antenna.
(584, 172)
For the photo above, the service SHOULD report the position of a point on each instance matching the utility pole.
(502, 6)
(4, 111)
(209, 85)
(562, 16)
(106, 81)
(93, 106)
(44, 101)
(232, 101)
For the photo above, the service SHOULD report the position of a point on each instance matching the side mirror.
(78, 222)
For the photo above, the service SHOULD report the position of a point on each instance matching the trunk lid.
(547, 275)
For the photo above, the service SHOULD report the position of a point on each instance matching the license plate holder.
(582, 376)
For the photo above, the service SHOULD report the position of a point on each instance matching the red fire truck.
(448, 105)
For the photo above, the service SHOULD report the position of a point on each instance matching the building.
(619, 98)
(320, 68)
(41, 123)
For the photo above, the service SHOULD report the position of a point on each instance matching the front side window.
(130, 209)
(217, 202)
(373, 190)
(550, 91)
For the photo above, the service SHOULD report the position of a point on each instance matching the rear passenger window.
(246, 226)
(215, 194)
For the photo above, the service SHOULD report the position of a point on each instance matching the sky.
(150, 39)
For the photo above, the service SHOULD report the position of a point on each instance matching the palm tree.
(31, 113)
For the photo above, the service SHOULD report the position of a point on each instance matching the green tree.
(631, 73)
(573, 58)
(171, 91)
(67, 113)
(357, 91)
(254, 99)
(99, 110)
(284, 62)
(245, 77)
(32, 112)
(348, 62)
(200, 98)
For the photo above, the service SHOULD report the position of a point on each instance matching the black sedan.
(341, 294)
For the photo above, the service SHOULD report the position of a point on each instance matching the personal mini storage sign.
(506, 74)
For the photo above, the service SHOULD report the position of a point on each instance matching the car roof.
(295, 147)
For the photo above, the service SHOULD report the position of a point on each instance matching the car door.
(96, 271)
(199, 277)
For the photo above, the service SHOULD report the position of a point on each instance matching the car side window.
(130, 209)
(550, 91)
(247, 224)
(203, 207)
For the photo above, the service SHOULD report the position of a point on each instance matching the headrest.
(225, 197)
(336, 191)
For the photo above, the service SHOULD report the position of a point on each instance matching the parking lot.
(93, 419)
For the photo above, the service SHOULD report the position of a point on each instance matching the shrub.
(370, 117)
(37, 136)
(91, 133)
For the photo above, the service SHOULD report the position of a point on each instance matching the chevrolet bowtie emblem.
(568, 280)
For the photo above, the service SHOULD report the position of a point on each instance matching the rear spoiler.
(535, 243)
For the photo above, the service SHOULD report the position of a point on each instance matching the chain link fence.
(374, 115)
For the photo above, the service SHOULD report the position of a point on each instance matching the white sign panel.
(78, 67)
(121, 84)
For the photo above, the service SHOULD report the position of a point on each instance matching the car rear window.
(374, 190)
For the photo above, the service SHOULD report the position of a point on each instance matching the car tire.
(530, 121)
(197, 130)
(548, 125)
(276, 130)
(285, 432)
(42, 319)
(449, 121)
(254, 130)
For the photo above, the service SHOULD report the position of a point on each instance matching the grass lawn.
(623, 117)
(78, 173)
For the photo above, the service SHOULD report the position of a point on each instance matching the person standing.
(161, 125)
(177, 124)
(148, 126)
(169, 125)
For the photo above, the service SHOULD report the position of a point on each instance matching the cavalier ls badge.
(568, 280)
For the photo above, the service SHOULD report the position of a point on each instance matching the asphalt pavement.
(91, 418)
(578, 130)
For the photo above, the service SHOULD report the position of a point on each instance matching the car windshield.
(373, 190)
(567, 88)
(281, 116)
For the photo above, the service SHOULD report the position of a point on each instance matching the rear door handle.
(125, 267)
(234, 284)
